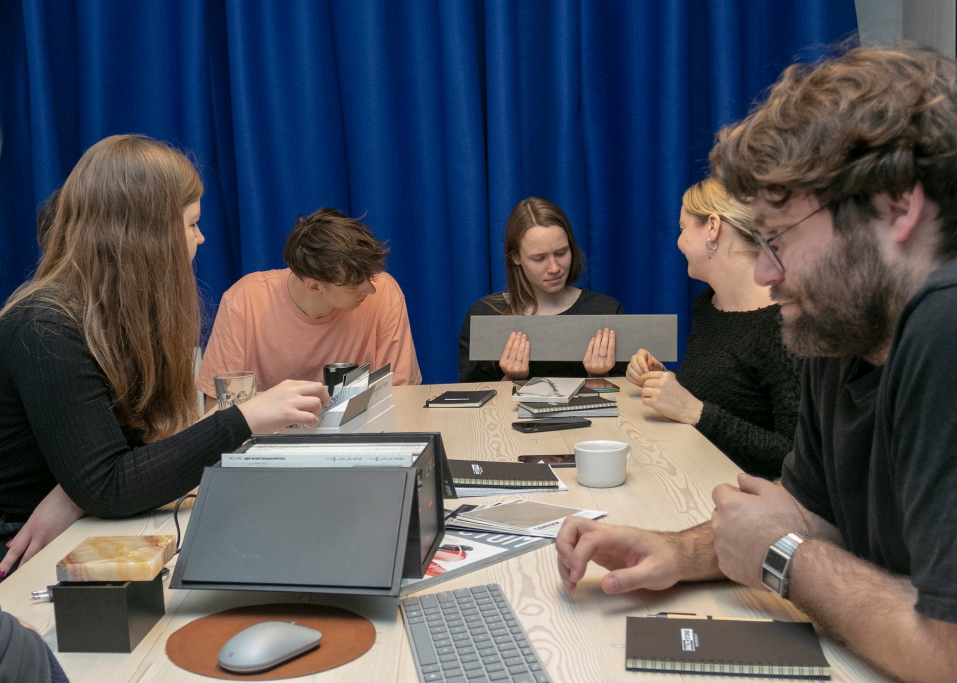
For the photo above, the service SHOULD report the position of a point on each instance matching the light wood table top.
(580, 636)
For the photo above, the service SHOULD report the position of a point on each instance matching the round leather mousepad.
(345, 636)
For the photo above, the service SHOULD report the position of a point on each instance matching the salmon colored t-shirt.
(259, 328)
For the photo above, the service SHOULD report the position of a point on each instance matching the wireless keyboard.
(469, 636)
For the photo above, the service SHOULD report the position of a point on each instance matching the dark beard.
(850, 301)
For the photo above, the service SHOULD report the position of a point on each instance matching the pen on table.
(685, 615)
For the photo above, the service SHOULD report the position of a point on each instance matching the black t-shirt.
(895, 499)
(913, 477)
(827, 470)
(588, 303)
(737, 365)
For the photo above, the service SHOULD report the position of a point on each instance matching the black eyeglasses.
(772, 252)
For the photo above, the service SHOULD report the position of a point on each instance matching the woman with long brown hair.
(98, 412)
(542, 262)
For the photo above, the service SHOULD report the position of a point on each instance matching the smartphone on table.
(550, 424)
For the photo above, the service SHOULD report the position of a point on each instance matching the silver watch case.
(776, 568)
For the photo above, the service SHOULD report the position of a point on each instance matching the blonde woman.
(738, 384)
(97, 406)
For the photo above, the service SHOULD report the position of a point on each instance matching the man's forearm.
(873, 612)
(695, 550)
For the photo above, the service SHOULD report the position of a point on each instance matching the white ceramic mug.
(601, 464)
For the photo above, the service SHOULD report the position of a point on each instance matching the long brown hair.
(531, 213)
(116, 261)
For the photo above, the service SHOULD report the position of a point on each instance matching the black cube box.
(106, 616)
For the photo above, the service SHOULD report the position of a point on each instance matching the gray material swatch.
(565, 337)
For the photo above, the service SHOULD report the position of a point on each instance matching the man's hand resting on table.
(52, 517)
(636, 558)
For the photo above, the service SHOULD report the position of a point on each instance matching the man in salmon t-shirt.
(334, 304)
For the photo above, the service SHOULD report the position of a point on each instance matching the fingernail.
(613, 584)
(2, 573)
(8, 543)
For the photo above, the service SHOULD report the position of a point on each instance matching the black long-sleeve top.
(587, 303)
(737, 365)
(57, 426)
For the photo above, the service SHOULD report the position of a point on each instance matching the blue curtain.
(429, 118)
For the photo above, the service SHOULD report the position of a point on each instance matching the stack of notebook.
(490, 478)
(579, 406)
(548, 390)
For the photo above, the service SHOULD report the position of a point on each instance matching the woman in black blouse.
(97, 405)
(542, 262)
(738, 384)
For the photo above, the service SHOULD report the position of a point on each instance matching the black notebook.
(577, 403)
(775, 649)
(519, 475)
(461, 399)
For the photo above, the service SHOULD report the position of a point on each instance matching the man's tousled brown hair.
(116, 262)
(867, 122)
(328, 246)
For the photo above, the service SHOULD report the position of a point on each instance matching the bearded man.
(851, 167)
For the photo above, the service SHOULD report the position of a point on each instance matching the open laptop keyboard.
(469, 635)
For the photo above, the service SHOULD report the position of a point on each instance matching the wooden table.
(580, 635)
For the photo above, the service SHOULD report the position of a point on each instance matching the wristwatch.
(776, 568)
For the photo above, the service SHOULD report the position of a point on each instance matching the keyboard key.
(523, 678)
(448, 658)
(475, 675)
(428, 601)
(541, 678)
(431, 668)
(472, 666)
(517, 670)
(471, 657)
(433, 677)
(423, 644)
(498, 676)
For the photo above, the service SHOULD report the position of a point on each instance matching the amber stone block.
(117, 558)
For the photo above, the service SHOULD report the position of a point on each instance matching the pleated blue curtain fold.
(429, 118)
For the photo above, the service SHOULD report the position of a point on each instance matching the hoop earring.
(714, 248)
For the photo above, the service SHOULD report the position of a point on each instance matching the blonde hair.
(709, 197)
(116, 262)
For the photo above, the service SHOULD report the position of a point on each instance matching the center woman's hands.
(600, 354)
(514, 360)
(290, 402)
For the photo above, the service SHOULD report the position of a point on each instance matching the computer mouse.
(265, 645)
